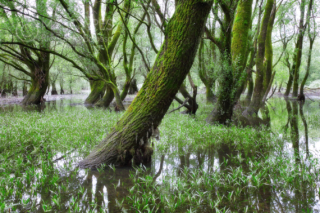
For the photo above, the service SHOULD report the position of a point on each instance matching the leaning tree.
(128, 138)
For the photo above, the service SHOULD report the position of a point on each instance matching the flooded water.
(276, 174)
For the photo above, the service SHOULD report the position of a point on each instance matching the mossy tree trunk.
(106, 100)
(312, 37)
(234, 57)
(206, 76)
(258, 92)
(38, 88)
(290, 80)
(98, 89)
(307, 70)
(298, 50)
(145, 113)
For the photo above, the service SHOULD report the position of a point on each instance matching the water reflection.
(254, 191)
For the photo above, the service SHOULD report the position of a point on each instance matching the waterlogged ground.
(195, 167)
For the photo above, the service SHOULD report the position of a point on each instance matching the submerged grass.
(195, 168)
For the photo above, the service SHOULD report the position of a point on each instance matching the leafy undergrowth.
(207, 168)
(195, 168)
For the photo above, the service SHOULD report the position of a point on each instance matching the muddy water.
(105, 190)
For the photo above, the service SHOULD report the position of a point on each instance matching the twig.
(182, 105)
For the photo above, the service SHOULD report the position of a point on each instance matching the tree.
(263, 59)
(173, 62)
(233, 51)
(34, 63)
(312, 36)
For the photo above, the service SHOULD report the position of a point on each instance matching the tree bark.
(15, 89)
(107, 98)
(250, 88)
(97, 92)
(311, 41)
(258, 92)
(289, 84)
(146, 111)
(54, 89)
(133, 89)
(39, 82)
(298, 50)
(307, 71)
(24, 89)
(235, 57)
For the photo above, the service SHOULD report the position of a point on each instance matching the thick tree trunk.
(54, 89)
(107, 98)
(145, 113)
(39, 85)
(97, 92)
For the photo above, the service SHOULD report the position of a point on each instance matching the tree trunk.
(133, 89)
(107, 98)
(210, 97)
(192, 102)
(146, 111)
(206, 78)
(125, 89)
(298, 50)
(289, 84)
(301, 95)
(54, 89)
(39, 85)
(10, 86)
(15, 89)
(280, 87)
(234, 63)
(24, 89)
(250, 88)
(258, 91)
(97, 92)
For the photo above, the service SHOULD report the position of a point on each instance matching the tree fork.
(171, 66)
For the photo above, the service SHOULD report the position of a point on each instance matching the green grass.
(205, 168)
